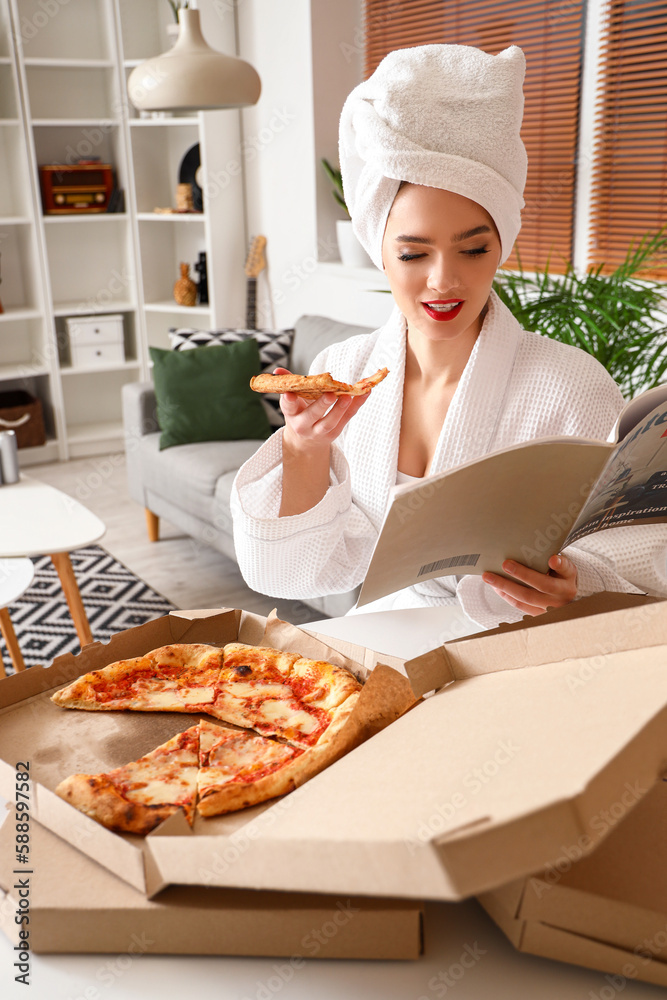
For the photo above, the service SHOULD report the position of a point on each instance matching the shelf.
(80, 433)
(15, 220)
(96, 369)
(90, 309)
(76, 122)
(171, 217)
(9, 121)
(71, 63)
(25, 370)
(152, 122)
(57, 220)
(10, 314)
(172, 307)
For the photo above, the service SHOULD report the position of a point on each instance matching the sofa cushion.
(188, 474)
(274, 351)
(313, 333)
(206, 395)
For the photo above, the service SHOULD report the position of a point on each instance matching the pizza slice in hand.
(138, 796)
(314, 386)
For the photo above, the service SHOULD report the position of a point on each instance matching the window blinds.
(629, 195)
(551, 35)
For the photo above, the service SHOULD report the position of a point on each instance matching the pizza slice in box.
(239, 769)
(138, 796)
(281, 694)
(255, 687)
(220, 770)
(176, 678)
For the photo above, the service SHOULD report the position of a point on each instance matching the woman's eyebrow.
(413, 239)
(467, 233)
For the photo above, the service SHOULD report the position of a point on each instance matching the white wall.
(308, 54)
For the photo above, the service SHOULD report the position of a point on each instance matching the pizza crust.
(97, 797)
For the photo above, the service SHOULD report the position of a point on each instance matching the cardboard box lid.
(76, 905)
(517, 755)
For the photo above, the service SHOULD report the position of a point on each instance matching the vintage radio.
(78, 187)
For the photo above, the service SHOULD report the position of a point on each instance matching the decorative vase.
(185, 290)
(352, 254)
(184, 201)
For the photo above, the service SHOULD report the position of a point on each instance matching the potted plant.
(617, 317)
(352, 254)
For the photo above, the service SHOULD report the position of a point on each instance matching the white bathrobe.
(516, 386)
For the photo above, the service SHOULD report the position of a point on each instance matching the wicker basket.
(22, 413)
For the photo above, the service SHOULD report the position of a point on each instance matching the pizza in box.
(282, 717)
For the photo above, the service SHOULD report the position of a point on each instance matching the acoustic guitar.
(254, 265)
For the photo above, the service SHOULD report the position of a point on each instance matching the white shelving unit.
(73, 107)
(63, 98)
(27, 348)
(158, 145)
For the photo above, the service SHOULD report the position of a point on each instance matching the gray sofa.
(190, 484)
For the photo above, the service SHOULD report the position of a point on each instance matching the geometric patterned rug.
(114, 599)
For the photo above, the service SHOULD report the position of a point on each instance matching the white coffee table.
(15, 577)
(37, 519)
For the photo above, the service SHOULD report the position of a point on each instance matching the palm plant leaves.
(617, 317)
(336, 178)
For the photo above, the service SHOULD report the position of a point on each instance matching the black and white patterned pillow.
(274, 352)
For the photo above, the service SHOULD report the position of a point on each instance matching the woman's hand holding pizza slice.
(314, 418)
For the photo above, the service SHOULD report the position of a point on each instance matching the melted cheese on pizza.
(228, 756)
(167, 774)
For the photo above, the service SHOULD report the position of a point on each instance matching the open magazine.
(525, 502)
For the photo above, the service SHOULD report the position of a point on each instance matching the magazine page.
(518, 503)
(633, 486)
(636, 409)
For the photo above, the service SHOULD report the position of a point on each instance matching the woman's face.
(440, 253)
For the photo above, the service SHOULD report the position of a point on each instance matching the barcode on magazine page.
(453, 561)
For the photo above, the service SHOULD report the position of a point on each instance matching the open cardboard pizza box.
(529, 735)
(76, 905)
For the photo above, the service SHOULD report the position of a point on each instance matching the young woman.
(433, 169)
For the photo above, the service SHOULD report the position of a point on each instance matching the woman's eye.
(410, 256)
(476, 251)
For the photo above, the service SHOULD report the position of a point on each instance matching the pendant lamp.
(192, 76)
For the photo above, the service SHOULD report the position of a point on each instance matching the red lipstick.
(436, 309)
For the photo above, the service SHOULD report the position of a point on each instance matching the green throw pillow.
(205, 395)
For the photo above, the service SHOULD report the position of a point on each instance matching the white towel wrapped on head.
(445, 116)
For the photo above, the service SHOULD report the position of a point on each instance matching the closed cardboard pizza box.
(76, 905)
(607, 910)
(521, 740)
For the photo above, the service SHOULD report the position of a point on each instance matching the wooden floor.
(188, 573)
